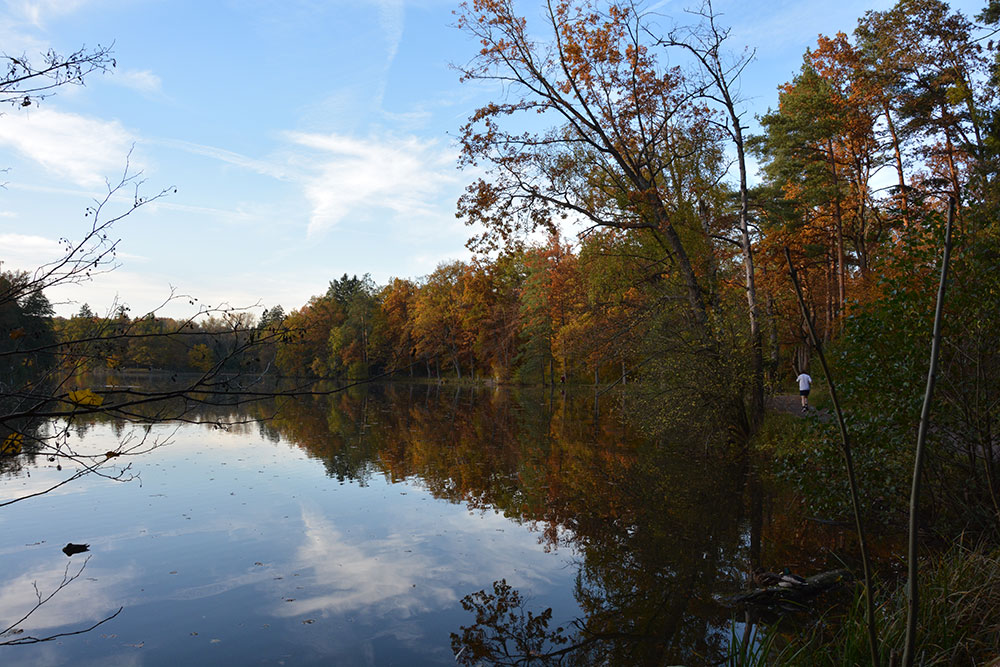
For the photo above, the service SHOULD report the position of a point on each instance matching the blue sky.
(306, 138)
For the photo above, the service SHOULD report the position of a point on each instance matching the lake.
(348, 529)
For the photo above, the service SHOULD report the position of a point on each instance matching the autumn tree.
(616, 117)
(550, 298)
(306, 352)
(437, 325)
(936, 68)
(350, 337)
(394, 328)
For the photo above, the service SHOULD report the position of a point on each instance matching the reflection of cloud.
(378, 576)
(85, 150)
(351, 176)
(80, 603)
(221, 586)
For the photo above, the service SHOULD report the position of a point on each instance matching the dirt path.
(791, 404)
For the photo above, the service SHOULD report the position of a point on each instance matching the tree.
(720, 86)
(394, 328)
(350, 344)
(935, 68)
(437, 325)
(624, 126)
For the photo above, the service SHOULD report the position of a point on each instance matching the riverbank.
(959, 576)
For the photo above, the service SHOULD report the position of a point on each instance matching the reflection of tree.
(506, 632)
(40, 600)
(654, 523)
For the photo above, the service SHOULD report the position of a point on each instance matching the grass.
(780, 434)
(959, 620)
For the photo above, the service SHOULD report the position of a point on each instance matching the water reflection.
(424, 496)
(657, 528)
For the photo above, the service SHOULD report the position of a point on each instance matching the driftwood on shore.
(782, 595)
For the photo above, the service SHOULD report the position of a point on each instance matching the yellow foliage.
(85, 397)
(12, 444)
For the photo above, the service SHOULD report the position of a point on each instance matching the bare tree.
(24, 82)
(11, 635)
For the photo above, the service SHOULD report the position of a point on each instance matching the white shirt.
(804, 381)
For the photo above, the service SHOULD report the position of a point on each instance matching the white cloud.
(36, 12)
(354, 177)
(84, 150)
(78, 604)
(27, 252)
(143, 81)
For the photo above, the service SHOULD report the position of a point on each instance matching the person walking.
(805, 382)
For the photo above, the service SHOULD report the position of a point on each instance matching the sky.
(306, 139)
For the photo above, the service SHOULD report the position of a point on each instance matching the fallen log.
(784, 595)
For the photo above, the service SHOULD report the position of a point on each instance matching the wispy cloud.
(349, 176)
(391, 19)
(84, 150)
(143, 81)
(264, 167)
(36, 12)
(26, 252)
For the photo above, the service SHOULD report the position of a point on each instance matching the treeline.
(533, 315)
(226, 340)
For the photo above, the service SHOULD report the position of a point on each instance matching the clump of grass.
(959, 621)
(780, 434)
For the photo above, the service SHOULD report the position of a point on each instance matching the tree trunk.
(772, 337)
(756, 343)
(903, 200)
(838, 224)
(695, 294)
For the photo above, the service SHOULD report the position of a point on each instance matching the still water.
(348, 529)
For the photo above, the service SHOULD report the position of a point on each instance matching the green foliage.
(201, 357)
(26, 335)
(958, 624)
(880, 364)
